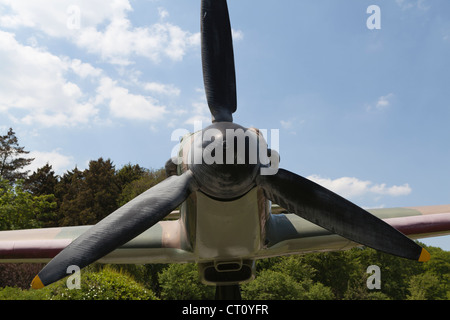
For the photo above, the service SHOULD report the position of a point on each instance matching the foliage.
(42, 181)
(89, 196)
(180, 282)
(22, 210)
(434, 283)
(144, 181)
(103, 284)
(270, 285)
(10, 158)
(18, 274)
(146, 274)
(282, 278)
(16, 293)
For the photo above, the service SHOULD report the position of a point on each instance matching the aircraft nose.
(224, 160)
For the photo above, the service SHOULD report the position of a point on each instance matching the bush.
(272, 285)
(15, 293)
(18, 274)
(106, 284)
(181, 282)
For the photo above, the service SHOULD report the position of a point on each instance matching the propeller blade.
(218, 60)
(336, 214)
(119, 227)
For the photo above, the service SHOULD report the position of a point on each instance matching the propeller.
(227, 181)
(297, 194)
(336, 214)
(218, 60)
(119, 227)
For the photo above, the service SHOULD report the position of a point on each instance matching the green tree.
(42, 181)
(90, 195)
(434, 282)
(129, 173)
(284, 278)
(67, 192)
(181, 282)
(439, 264)
(102, 189)
(11, 160)
(143, 182)
(146, 274)
(296, 267)
(333, 270)
(426, 286)
(273, 285)
(395, 275)
(19, 209)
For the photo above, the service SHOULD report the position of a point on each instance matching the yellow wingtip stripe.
(37, 283)
(424, 256)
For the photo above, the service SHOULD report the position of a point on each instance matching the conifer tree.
(11, 158)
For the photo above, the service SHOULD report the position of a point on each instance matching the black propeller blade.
(119, 227)
(336, 214)
(218, 60)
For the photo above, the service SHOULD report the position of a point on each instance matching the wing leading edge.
(167, 242)
(290, 234)
(163, 243)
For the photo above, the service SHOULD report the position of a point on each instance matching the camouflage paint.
(266, 234)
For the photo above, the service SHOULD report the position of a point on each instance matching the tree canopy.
(11, 160)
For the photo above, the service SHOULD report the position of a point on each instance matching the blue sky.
(362, 111)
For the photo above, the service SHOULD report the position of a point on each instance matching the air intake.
(226, 272)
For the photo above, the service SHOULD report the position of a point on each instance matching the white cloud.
(102, 28)
(349, 187)
(286, 124)
(383, 103)
(126, 105)
(199, 112)
(291, 125)
(164, 89)
(409, 4)
(155, 42)
(237, 35)
(163, 13)
(55, 19)
(33, 82)
(83, 70)
(59, 162)
(35, 90)
(38, 87)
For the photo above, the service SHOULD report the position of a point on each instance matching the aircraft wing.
(162, 243)
(167, 242)
(290, 234)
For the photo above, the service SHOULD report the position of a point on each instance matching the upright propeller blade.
(336, 214)
(218, 60)
(119, 227)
